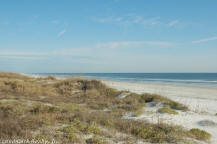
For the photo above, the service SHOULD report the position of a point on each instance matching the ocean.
(193, 79)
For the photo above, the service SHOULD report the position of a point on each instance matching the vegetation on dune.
(79, 111)
(13, 76)
(200, 134)
(47, 78)
(154, 98)
(96, 140)
(167, 110)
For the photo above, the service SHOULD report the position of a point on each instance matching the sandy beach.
(201, 101)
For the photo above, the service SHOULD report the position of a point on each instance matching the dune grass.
(69, 110)
(96, 140)
(200, 134)
(167, 110)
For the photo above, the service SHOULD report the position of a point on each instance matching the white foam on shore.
(201, 101)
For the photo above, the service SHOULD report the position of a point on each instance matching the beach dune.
(202, 102)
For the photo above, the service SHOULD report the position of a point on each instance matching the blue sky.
(108, 36)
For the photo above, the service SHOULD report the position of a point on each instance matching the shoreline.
(152, 80)
(161, 84)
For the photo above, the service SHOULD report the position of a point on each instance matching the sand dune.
(201, 101)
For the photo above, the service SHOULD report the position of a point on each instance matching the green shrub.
(146, 97)
(153, 98)
(96, 140)
(50, 78)
(98, 106)
(92, 129)
(137, 113)
(177, 106)
(71, 137)
(39, 108)
(71, 129)
(78, 124)
(144, 133)
(200, 134)
(167, 110)
(151, 134)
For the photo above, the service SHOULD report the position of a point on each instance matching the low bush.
(177, 106)
(167, 110)
(96, 140)
(200, 134)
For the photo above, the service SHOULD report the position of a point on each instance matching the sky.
(74, 36)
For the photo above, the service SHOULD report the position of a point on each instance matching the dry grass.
(96, 140)
(167, 110)
(67, 110)
(13, 76)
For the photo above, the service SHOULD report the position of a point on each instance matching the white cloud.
(133, 44)
(61, 33)
(174, 22)
(136, 19)
(105, 19)
(88, 52)
(205, 40)
(72, 53)
(13, 54)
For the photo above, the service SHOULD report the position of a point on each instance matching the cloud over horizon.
(136, 19)
(205, 40)
(122, 44)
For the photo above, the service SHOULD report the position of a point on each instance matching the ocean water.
(193, 79)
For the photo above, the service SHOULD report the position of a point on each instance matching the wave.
(152, 79)
(179, 80)
(188, 79)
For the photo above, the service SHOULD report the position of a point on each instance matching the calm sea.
(194, 79)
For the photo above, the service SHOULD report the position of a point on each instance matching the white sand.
(201, 101)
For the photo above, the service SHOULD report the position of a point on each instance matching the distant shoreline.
(207, 80)
(162, 84)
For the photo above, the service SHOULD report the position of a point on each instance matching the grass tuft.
(200, 134)
(167, 110)
(177, 106)
(96, 140)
